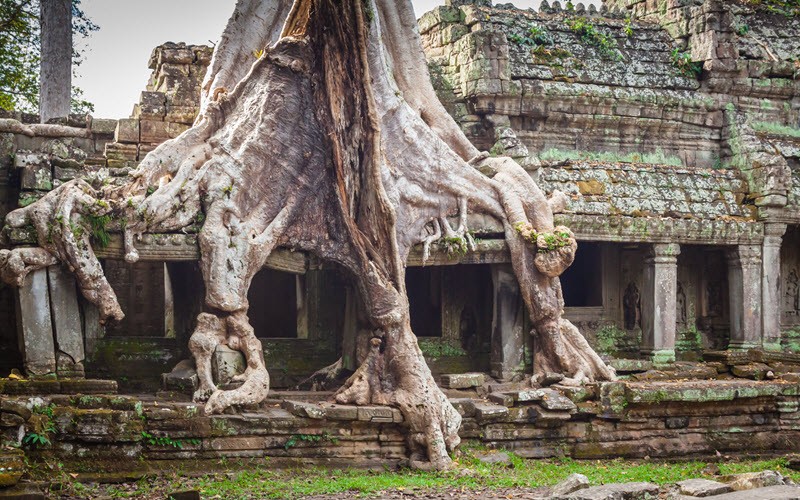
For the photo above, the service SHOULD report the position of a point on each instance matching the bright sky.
(115, 71)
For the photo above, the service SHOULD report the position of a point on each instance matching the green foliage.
(34, 439)
(788, 8)
(776, 129)
(657, 157)
(97, 227)
(20, 54)
(167, 441)
(309, 438)
(454, 246)
(368, 12)
(439, 348)
(683, 62)
(47, 411)
(552, 241)
(89, 400)
(537, 36)
(627, 27)
(589, 34)
(263, 481)
(742, 29)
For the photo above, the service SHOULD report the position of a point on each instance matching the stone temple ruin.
(674, 129)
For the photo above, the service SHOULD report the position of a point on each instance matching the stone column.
(34, 326)
(770, 286)
(658, 302)
(744, 287)
(66, 315)
(508, 340)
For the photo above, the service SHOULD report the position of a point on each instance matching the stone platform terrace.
(688, 410)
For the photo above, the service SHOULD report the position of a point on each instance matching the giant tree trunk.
(333, 143)
(55, 76)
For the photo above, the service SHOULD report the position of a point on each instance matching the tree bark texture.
(55, 79)
(332, 143)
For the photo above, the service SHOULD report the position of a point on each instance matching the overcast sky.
(115, 71)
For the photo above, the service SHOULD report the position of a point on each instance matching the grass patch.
(261, 481)
(776, 129)
(657, 157)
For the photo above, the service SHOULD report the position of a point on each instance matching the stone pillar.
(744, 285)
(770, 286)
(55, 72)
(658, 302)
(34, 326)
(508, 339)
(93, 331)
(66, 315)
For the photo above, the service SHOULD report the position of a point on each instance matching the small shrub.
(742, 29)
(683, 62)
(536, 36)
(627, 28)
(589, 34)
(99, 232)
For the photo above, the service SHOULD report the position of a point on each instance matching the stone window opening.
(424, 287)
(277, 304)
(582, 282)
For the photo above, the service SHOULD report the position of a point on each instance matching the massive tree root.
(333, 143)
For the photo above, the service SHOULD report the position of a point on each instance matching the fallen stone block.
(626, 491)
(551, 378)
(702, 487)
(303, 409)
(547, 418)
(631, 365)
(571, 484)
(464, 406)
(754, 371)
(485, 412)
(555, 401)
(226, 363)
(182, 378)
(783, 492)
(501, 398)
(462, 380)
(753, 480)
(494, 457)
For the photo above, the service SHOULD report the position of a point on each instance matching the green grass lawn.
(259, 481)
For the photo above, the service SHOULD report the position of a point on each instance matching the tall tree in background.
(55, 76)
(21, 51)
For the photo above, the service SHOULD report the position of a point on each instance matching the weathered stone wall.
(623, 419)
(663, 121)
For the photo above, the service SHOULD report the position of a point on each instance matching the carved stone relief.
(632, 306)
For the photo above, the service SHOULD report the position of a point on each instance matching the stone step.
(38, 387)
(462, 380)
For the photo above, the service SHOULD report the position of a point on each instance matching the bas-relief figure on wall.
(680, 305)
(714, 298)
(632, 306)
(792, 295)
